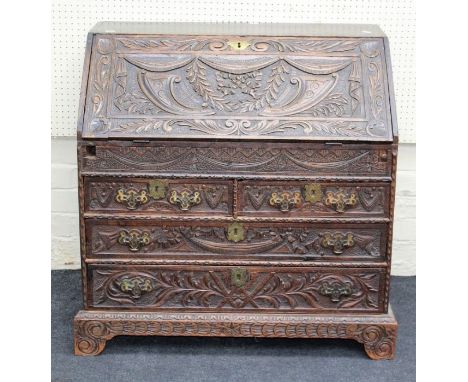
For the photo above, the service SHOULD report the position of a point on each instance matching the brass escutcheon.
(340, 200)
(285, 201)
(312, 193)
(338, 242)
(239, 277)
(238, 45)
(157, 189)
(235, 232)
(131, 198)
(134, 240)
(185, 200)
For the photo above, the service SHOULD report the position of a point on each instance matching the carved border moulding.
(92, 329)
(239, 160)
(244, 96)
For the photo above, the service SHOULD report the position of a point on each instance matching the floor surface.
(168, 359)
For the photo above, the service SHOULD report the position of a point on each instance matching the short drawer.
(204, 288)
(247, 240)
(306, 199)
(158, 196)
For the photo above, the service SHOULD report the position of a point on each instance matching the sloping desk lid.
(241, 87)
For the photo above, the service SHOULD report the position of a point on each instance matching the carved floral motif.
(260, 289)
(267, 85)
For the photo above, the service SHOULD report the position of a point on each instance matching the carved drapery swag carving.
(177, 91)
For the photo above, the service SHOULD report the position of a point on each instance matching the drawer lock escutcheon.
(340, 200)
(313, 193)
(235, 232)
(134, 240)
(131, 198)
(285, 201)
(185, 199)
(338, 242)
(239, 277)
(157, 189)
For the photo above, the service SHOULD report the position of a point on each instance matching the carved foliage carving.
(309, 242)
(214, 289)
(188, 88)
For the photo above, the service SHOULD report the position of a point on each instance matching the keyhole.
(235, 231)
(238, 44)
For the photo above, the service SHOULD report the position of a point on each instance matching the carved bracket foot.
(91, 336)
(376, 332)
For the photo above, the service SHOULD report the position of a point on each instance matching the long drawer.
(237, 288)
(161, 196)
(225, 240)
(319, 199)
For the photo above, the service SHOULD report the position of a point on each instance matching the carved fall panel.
(294, 199)
(205, 87)
(238, 288)
(240, 159)
(161, 196)
(254, 241)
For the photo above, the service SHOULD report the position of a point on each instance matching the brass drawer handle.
(338, 242)
(340, 200)
(235, 232)
(239, 277)
(285, 201)
(335, 290)
(134, 240)
(131, 198)
(185, 200)
(135, 286)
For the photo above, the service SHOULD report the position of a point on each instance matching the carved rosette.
(378, 335)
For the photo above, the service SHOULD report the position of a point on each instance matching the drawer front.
(237, 288)
(306, 199)
(239, 159)
(248, 241)
(160, 196)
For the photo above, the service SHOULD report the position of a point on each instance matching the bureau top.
(323, 82)
(244, 28)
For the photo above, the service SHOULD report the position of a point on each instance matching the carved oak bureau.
(236, 180)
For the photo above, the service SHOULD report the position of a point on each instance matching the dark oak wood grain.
(236, 186)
